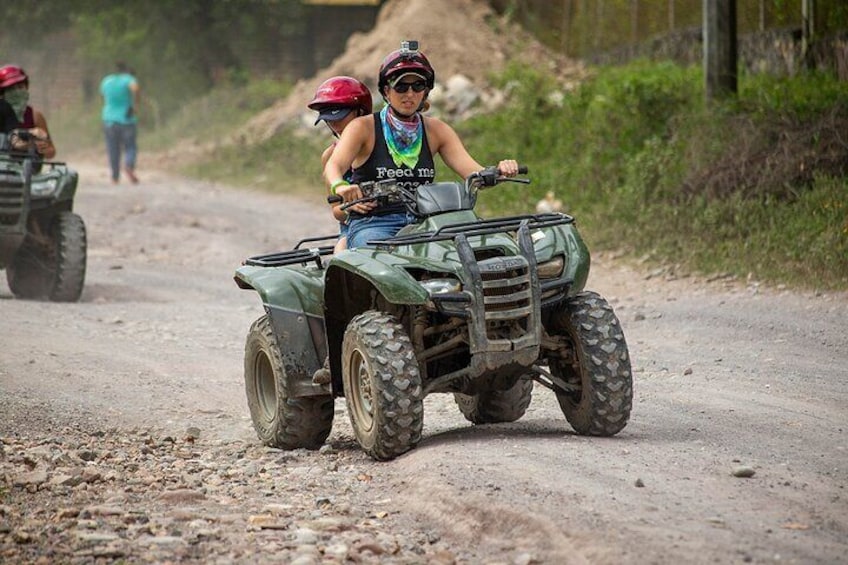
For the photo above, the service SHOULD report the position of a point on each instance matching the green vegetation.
(758, 186)
(179, 50)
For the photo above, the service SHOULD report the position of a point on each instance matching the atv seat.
(439, 197)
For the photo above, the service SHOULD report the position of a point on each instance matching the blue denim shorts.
(363, 229)
(343, 229)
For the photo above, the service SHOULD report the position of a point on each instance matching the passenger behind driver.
(14, 89)
(338, 101)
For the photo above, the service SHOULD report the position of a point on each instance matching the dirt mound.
(458, 36)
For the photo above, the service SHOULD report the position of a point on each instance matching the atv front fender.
(565, 238)
(384, 271)
(293, 299)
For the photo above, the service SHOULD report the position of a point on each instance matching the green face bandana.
(17, 99)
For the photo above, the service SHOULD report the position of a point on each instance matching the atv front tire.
(496, 406)
(599, 369)
(382, 385)
(68, 234)
(27, 273)
(57, 270)
(280, 421)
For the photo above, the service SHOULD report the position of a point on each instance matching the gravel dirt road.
(125, 434)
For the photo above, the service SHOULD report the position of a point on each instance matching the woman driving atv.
(397, 142)
(338, 101)
(14, 89)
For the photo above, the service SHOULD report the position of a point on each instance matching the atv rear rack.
(478, 227)
(295, 255)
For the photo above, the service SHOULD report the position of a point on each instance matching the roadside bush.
(755, 185)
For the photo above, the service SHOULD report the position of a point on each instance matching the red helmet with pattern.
(341, 93)
(11, 75)
(407, 59)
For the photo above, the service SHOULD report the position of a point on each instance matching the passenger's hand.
(363, 208)
(508, 167)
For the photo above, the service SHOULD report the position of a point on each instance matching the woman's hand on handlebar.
(351, 192)
(508, 167)
(41, 139)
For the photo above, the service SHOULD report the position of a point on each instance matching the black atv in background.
(42, 241)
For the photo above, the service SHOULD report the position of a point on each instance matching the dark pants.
(120, 138)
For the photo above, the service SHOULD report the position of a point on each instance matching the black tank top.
(380, 166)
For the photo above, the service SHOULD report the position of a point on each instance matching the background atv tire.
(382, 385)
(28, 275)
(68, 233)
(56, 272)
(601, 369)
(496, 406)
(280, 421)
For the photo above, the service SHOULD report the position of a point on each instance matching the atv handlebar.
(490, 176)
(389, 190)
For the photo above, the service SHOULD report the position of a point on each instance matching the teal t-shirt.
(117, 98)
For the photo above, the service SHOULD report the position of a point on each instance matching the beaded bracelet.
(338, 183)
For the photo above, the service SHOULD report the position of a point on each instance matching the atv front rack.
(477, 227)
(296, 255)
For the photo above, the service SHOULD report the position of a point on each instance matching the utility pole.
(808, 30)
(720, 55)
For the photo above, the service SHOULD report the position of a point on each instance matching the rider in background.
(397, 142)
(339, 100)
(14, 89)
(8, 119)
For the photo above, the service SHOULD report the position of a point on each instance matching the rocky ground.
(76, 496)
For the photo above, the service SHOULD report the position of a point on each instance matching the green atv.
(480, 308)
(42, 241)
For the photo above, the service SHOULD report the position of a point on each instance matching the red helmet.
(342, 92)
(11, 75)
(406, 60)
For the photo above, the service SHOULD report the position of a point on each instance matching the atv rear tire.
(280, 421)
(57, 271)
(382, 385)
(496, 406)
(600, 371)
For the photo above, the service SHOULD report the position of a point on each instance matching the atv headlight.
(551, 269)
(441, 286)
(45, 186)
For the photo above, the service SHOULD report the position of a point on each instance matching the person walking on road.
(120, 92)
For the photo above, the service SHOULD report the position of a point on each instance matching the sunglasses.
(417, 86)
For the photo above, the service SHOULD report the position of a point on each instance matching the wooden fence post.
(720, 55)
